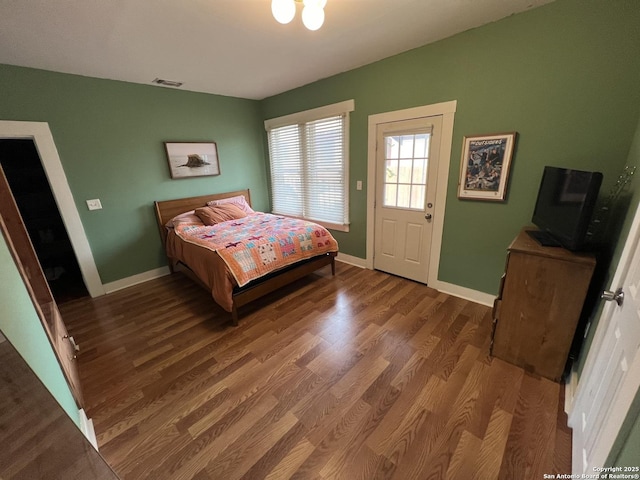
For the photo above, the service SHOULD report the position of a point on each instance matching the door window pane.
(406, 163)
(421, 145)
(404, 196)
(406, 146)
(417, 196)
(392, 147)
(419, 171)
(390, 194)
(391, 172)
(404, 174)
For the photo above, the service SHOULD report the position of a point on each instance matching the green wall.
(565, 76)
(110, 139)
(20, 324)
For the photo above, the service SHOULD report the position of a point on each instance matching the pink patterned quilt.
(260, 243)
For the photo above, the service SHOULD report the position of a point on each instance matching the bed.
(188, 250)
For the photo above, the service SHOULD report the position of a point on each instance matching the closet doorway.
(31, 190)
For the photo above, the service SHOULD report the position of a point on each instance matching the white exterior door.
(611, 376)
(406, 174)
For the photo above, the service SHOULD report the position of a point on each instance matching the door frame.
(41, 135)
(447, 111)
(616, 413)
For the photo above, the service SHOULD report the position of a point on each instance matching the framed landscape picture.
(485, 165)
(192, 159)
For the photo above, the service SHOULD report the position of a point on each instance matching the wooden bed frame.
(167, 209)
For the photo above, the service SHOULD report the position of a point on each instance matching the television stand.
(543, 238)
(538, 307)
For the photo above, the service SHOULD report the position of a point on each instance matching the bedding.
(187, 217)
(236, 252)
(219, 213)
(238, 200)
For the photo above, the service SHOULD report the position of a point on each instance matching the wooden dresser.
(538, 306)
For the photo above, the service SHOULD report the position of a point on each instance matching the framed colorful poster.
(485, 165)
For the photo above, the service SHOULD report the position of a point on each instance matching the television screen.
(566, 200)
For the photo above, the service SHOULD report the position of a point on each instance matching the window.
(406, 161)
(308, 155)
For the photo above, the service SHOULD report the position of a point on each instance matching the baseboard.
(445, 287)
(86, 426)
(570, 391)
(355, 261)
(464, 292)
(136, 279)
(162, 271)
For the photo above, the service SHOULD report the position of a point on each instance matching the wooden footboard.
(260, 288)
(252, 292)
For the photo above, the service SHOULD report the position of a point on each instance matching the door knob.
(617, 296)
(428, 216)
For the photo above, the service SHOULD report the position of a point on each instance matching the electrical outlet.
(94, 204)
(359, 185)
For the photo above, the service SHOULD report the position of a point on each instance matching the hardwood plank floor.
(359, 376)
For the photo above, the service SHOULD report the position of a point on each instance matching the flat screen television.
(565, 204)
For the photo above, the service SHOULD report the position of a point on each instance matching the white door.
(611, 375)
(406, 173)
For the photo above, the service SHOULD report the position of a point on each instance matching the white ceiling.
(228, 47)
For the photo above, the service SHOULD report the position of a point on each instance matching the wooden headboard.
(167, 209)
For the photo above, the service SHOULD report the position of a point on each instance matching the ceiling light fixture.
(312, 13)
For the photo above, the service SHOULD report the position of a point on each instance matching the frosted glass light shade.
(313, 16)
(283, 10)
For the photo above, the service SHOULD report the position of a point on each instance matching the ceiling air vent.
(168, 83)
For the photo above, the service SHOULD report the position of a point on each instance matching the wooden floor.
(359, 376)
(39, 440)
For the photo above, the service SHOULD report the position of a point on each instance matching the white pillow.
(238, 200)
(186, 217)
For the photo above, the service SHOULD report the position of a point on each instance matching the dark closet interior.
(30, 187)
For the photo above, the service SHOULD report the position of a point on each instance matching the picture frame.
(485, 165)
(192, 159)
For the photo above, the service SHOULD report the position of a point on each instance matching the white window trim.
(325, 111)
(327, 225)
(310, 115)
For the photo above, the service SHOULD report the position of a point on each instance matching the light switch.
(359, 185)
(94, 204)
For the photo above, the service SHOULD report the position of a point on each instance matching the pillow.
(219, 213)
(238, 201)
(185, 218)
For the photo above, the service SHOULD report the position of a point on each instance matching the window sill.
(328, 225)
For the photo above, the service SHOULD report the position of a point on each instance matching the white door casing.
(447, 111)
(41, 135)
(611, 376)
(406, 174)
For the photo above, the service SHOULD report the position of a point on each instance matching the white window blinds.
(309, 168)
